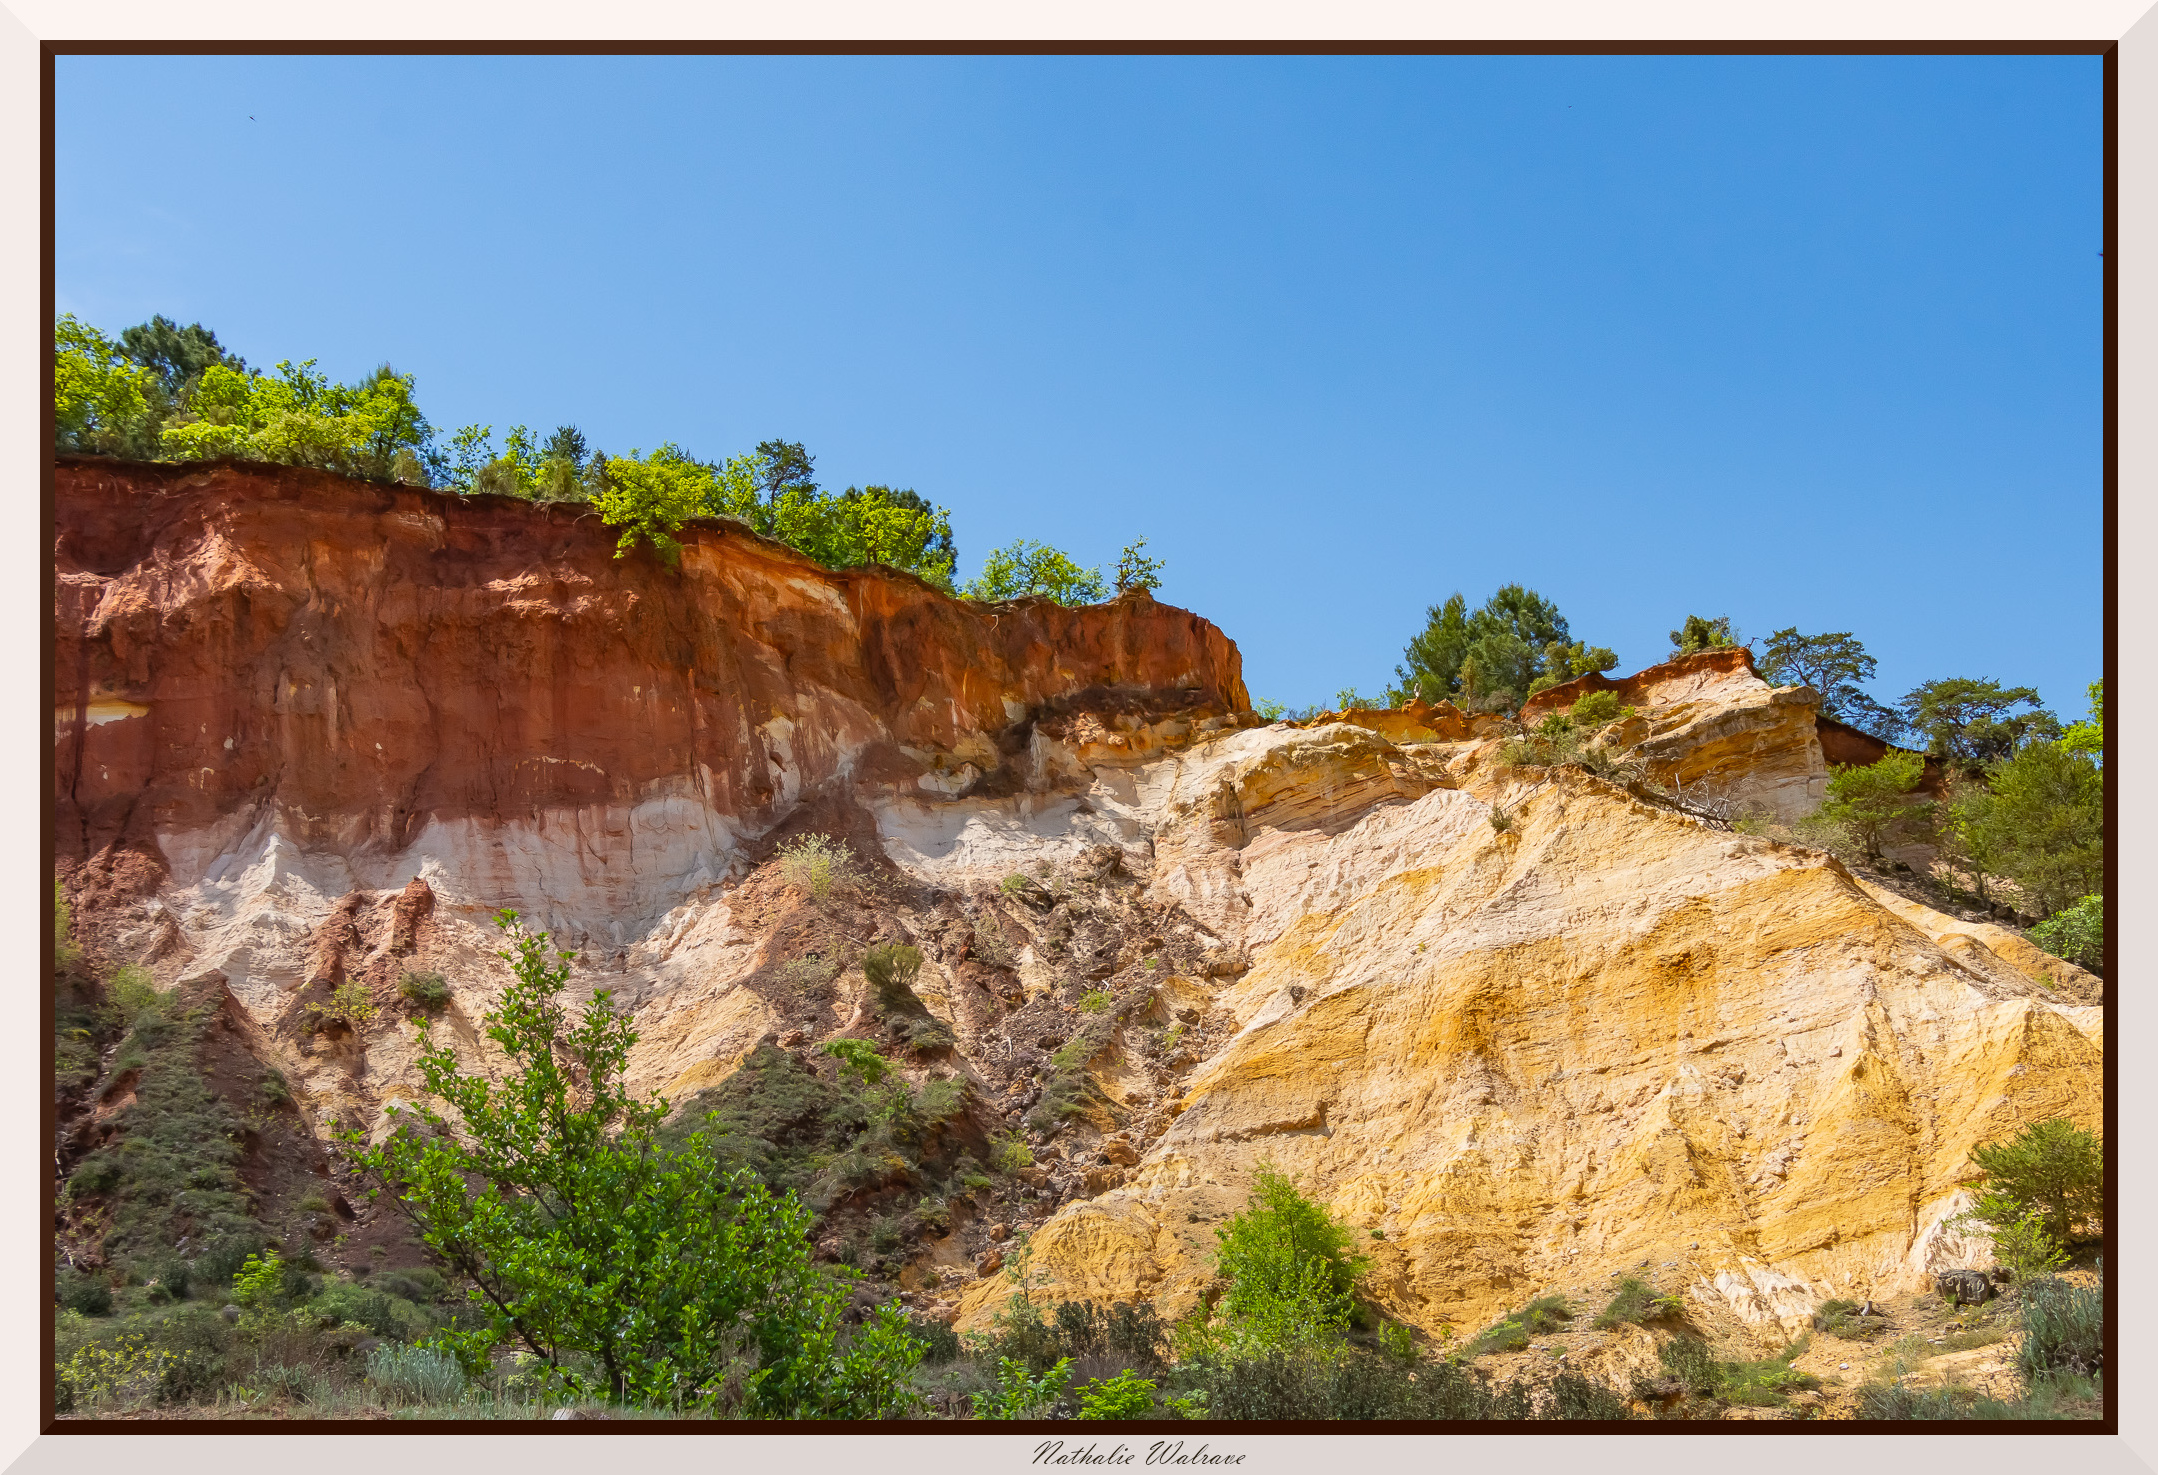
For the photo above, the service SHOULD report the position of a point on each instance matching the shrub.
(558, 1197)
(808, 975)
(2063, 1328)
(2077, 934)
(416, 1374)
(1637, 1302)
(892, 968)
(2026, 1250)
(88, 1294)
(1291, 1268)
(2053, 1167)
(1504, 1335)
(1017, 1394)
(126, 1372)
(1875, 804)
(427, 990)
(1125, 1396)
(940, 1344)
(132, 992)
(1094, 1001)
(2059, 1397)
(1547, 1314)
(350, 1004)
(1010, 1153)
(819, 865)
(1596, 709)
(1840, 1318)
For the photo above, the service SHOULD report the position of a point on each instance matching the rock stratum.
(311, 731)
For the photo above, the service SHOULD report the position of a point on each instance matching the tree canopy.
(632, 1271)
(1974, 722)
(1514, 645)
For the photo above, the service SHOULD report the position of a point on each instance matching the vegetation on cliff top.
(161, 392)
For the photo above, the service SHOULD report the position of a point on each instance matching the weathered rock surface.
(314, 732)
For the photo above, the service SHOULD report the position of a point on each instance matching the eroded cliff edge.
(311, 731)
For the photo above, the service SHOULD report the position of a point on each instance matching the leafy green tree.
(1975, 722)
(2089, 735)
(2053, 1168)
(635, 1273)
(100, 396)
(1698, 634)
(1290, 1265)
(1134, 570)
(1026, 568)
(2041, 821)
(300, 418)
(650, 497)
(1834, 665)
(1875, 802)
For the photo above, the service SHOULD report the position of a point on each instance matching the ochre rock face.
(311, 732)
(383, 673)
(1605, 1035)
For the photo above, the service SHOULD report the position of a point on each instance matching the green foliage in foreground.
(1876, 803)
(579, 1233)
(2077, 933)
(2052, 1168)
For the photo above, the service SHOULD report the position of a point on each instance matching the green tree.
(2053, 1168)
(1026, 568)
(1698, 634)
(1134, 570)
(1516, 644)
(2089, 735)
(1975, 722)
(176, 355)
(1432, 661)
(1875, 802)
(1290, 1265)
(100, 396)
(372, 427)
(784, 466)
(635, 1273)
(2041, 821)
(650, 497)
(1834, 665)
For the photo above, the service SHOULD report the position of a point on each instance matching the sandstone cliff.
(1523, 1025)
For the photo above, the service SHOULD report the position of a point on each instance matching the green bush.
(2063, 1328)
(652, 1263)
(819, 865)
(1026, 568)
(1597, 709)
(1125, 1396)
(88, 1294)
(2077, 934)
(1507, 1334)
(426, 1375)
(1840, 1318)
(1875, 802)
(427, 990)
(1638, 1302)
(133, 992)
(892, 968)
(1017, 1393)
(2054, 1168)
(1094, 1001)
(1291, 1267)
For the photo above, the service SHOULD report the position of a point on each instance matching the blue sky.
(1804, 341)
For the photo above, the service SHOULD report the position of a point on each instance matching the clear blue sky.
(1807, 341)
